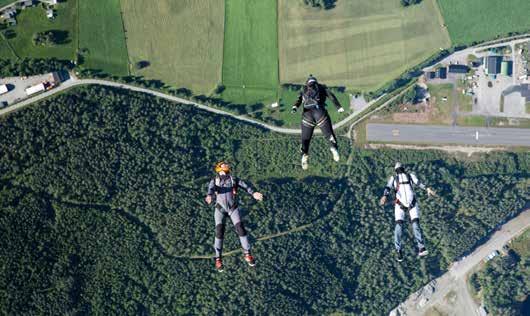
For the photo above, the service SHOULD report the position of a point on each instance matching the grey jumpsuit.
(226, 205)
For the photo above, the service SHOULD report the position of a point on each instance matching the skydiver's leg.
(219, 232)
(240, 230)
(308, 125)
(399, 215)
(324, 122)
(415, 218)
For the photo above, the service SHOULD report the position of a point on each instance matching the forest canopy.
(102, 212)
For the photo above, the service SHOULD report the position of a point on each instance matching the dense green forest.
(504, 283)
(102, 212)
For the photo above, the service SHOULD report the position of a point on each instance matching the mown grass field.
(182, 41)
(101, 34)
(250, 58)
(359, 44)
(32, 20)
(479, 20)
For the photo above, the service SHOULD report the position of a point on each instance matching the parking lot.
(18, 85)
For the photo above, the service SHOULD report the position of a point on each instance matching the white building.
(3, 89)
(49, 14)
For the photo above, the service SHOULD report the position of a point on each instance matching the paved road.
(429, 134)
(77, 82)
(455, 278)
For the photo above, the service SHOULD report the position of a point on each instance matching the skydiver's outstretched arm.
(242, 184)
(297, 104)
(388, 188)
(422, 186)
(334, 99)
(211, 191)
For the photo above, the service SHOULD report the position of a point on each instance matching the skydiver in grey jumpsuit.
(401, 183)
(224, 186)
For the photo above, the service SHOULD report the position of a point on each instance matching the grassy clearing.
(358, 44)
(479, 20)
(5, 50)
(522, 244)
(443, 109)
(250, 58)
(32, 20)
(181, 40)
(101, 34)
(472, 120)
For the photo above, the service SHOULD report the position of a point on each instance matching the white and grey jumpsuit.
(225, 188)
(405, 201)
(313, 99)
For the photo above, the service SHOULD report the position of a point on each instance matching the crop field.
(359, 44)
(181, 40)
(250, 58)
(101, 35)
(33, 20)
(479, 20)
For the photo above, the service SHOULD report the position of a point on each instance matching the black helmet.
(311, 80)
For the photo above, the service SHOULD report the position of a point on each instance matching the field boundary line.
(129, 64)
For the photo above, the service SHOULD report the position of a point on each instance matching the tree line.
(102, 208)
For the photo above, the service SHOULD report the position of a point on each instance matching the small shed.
(49, 14)
(458, 69)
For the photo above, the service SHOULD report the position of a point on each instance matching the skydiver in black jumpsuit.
(313, 98)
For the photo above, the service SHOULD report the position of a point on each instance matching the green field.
(5, 2)
(182, 41)
(5, 50)
(101, 35)
(472, 21)
(250, 57)
(358, 44)
(32, 20)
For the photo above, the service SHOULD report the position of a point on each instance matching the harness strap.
(403, 207)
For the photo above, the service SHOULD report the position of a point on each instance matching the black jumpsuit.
(316, 114)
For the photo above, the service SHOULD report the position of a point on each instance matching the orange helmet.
(222, 166)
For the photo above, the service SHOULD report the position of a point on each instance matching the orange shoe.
(249, 259)
(219, 264)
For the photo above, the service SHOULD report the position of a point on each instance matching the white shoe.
(335, 153)
(305, 163)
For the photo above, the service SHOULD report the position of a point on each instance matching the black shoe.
(399, 256)
(422, 252)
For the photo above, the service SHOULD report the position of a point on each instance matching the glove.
(340, 110)
(382, 201)
(431, 192)
(258, 196)
(293, 109)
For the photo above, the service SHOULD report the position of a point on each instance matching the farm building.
(26, 4)
(506, 68)
(9, 13)
(442, 73)
(458, 69)
(431, 75)
(493, 65)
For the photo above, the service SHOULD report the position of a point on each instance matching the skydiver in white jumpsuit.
(401, 182)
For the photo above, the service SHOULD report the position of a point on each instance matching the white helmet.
(398, 165)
